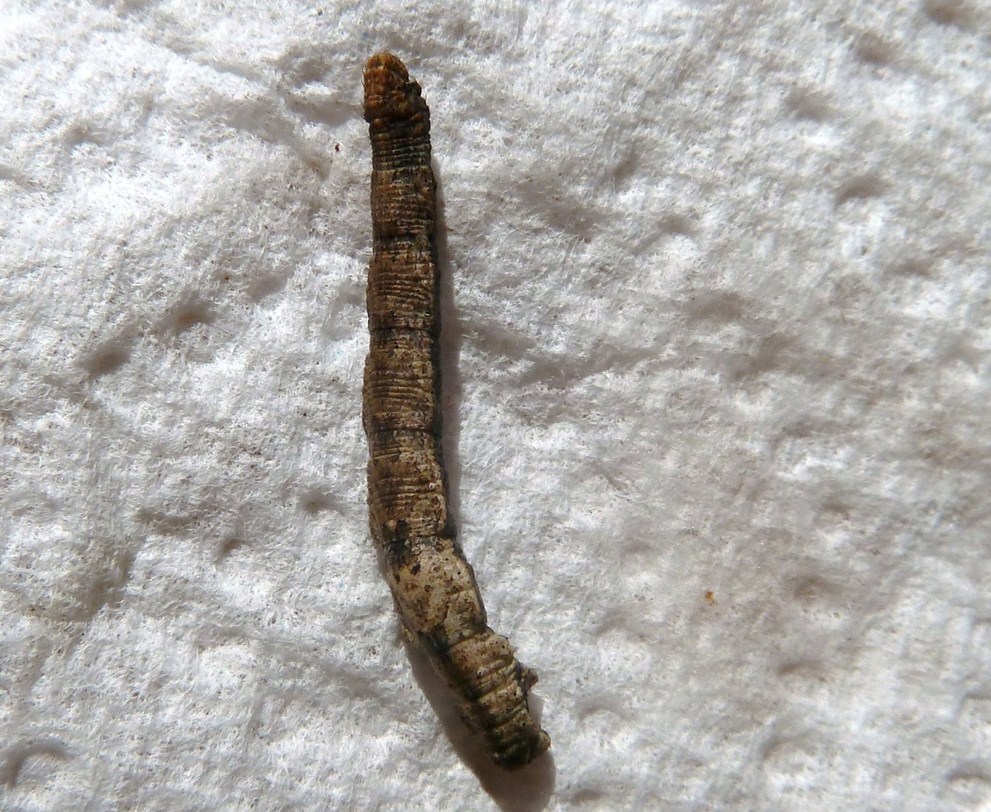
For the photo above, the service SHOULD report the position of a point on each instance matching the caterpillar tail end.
(523, 751)
(519, 748)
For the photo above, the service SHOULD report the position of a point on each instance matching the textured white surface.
(718, 322)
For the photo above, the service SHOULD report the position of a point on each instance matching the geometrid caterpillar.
(433, 585)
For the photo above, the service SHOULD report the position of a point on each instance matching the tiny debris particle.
(433, 585)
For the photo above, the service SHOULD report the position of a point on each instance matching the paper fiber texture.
(714, 287)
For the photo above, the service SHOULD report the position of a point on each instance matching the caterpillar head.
(391, 98)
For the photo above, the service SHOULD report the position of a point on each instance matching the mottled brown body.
(433, 585)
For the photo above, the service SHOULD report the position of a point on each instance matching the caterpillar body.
(433, 585)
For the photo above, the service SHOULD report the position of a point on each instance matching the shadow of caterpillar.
(433, 585)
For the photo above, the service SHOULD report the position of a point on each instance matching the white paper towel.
(718, 313)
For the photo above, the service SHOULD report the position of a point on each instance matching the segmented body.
(433, 585)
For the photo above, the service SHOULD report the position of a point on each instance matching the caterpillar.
(433, 585)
